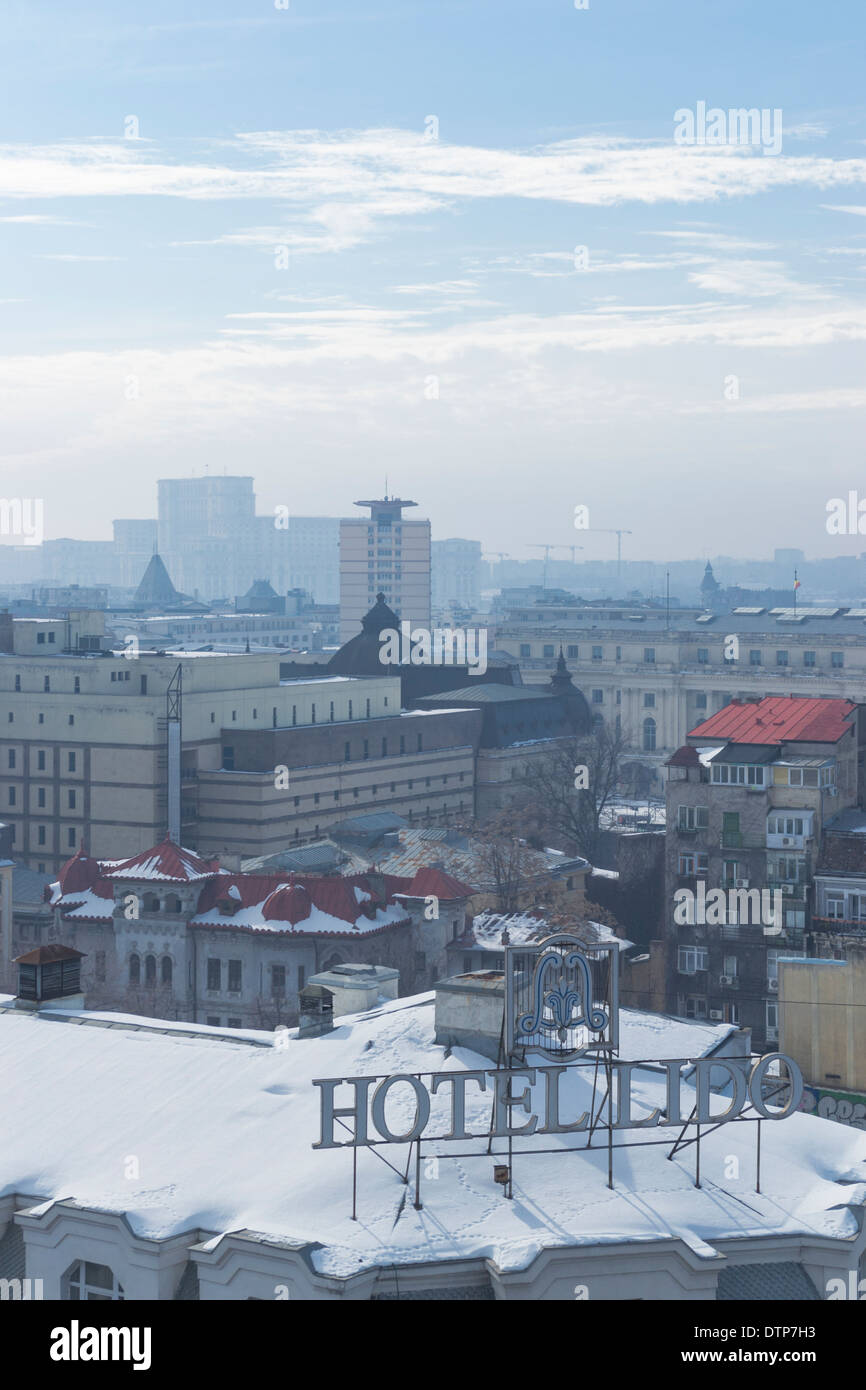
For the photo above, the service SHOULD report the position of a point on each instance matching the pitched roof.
(779, 719)
(435, 882)
(46, 955)
(165, 863)
(156, 586)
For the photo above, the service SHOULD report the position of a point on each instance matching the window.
(548, 649)
(278, 981)
(688, 865)
(772, 1018)
(11, 757)
(649, 735)
(597, 653)
(236, 1023)
(703, 656)
(40, 760)
(781, 658)
(134, 970)
(40, 796)
(837, 660)
(70, 801)
(71, 719)
(649, 701)
(150, 970)
(619, 698)
(302, 975)
(691, 959)
(40, 834)
(214, 974)
(619, 653)
(384, 748)
(70, 763)
(572, 652)
(46, 684)
(649, 655)
(228, 758)
(76, 689)
(313, 713)
(803, 776)
(693, 817)
(87, 1282)
(165, 970)
(347, 752)
(525, 649)
(696, 1008)
(40, 639)
(755, 657)
(366, 752)
(597, 697)
(234, 977)
(213, 1020)
(11, 796)
(730, 967)
(350, 709)
(734, 775)
(18, 682)
(700, 701)
(808, 658)
(785, 825)
(331, 712)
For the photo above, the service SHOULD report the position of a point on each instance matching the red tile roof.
(779, 719)
(166, 862)
(439, 884)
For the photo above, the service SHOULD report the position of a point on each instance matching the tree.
(508, 867)
(575, 783)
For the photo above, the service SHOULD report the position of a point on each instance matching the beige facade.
(822, 1019)
(658, 682)
(83, 747)
(385, 553)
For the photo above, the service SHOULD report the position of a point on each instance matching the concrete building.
(747, 801)
(314, 556)
(655, 675)
(182, 1197)
(456, 574)
(823, 1027)
(386, 552)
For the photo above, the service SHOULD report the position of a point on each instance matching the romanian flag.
(796, 585)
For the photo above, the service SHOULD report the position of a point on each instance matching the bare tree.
(573, 786)
(509, 867)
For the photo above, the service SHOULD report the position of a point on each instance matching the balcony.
(737, 839)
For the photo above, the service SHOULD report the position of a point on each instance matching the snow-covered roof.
(196, 1111)
(487, 927)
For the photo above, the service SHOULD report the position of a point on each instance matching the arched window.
(87, 1282)
(134, 970)
(151, 902)
(150, 970)
(166, 970)
(649, 736)
(172, 903)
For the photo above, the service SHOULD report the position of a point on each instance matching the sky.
(454, 245)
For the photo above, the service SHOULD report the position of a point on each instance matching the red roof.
(779, 719)
(167, 862)
(436, 883)
(79, 873)
(684, 757)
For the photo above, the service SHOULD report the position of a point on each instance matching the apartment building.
(386, 553)
(456, 574)
(655, 674)
(748, 799)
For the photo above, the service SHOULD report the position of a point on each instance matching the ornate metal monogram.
(561, 996)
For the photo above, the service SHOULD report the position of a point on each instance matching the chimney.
(316, 1011)
(50, 977)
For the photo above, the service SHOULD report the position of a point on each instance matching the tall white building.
(314, 556)
(384, 553)
(456, 573)
(208, 534)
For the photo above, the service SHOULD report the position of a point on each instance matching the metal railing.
(736, 839)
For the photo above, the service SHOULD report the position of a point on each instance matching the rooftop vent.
(49, 974)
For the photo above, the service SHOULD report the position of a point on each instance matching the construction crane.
(614, 531)
(547, 549)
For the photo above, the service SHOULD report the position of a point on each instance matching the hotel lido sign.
(560, 1002)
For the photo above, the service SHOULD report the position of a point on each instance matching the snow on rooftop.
(224, 1136)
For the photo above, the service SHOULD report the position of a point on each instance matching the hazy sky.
(234, 238)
